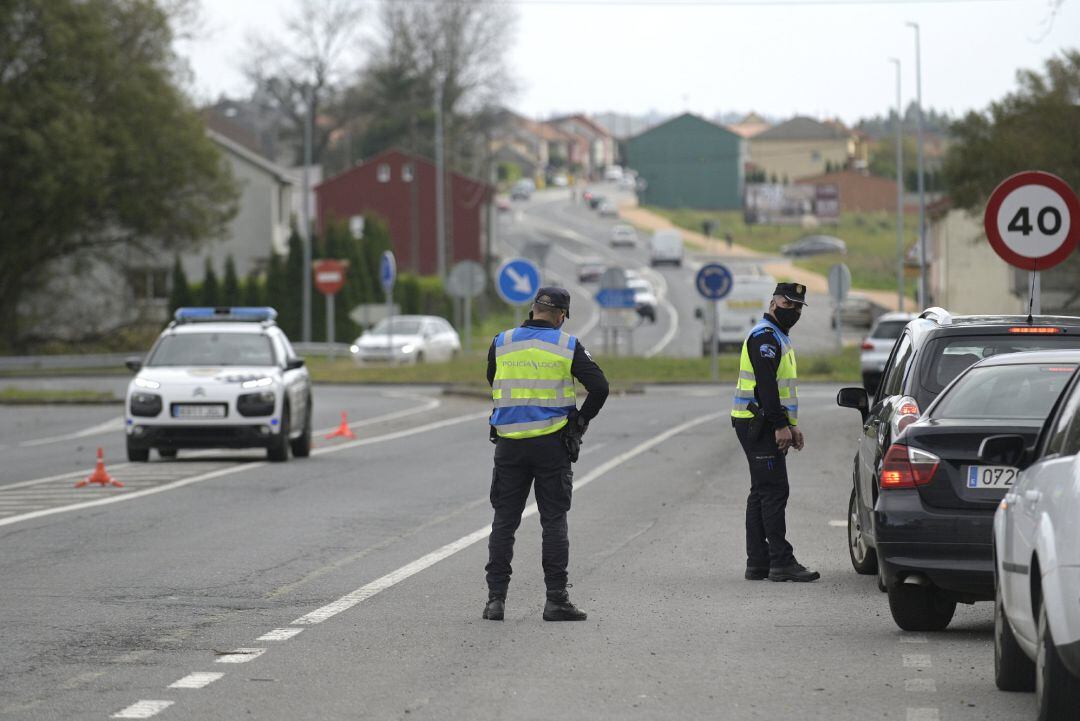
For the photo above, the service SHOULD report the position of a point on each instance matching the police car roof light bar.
(205, 315)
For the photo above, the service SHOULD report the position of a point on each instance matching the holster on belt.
(758, 424)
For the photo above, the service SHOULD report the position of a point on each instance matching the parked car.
(590, 270)
(503, 205)
(1037, 557)
(879, 344)
(613, 173)
(666, 246)
(407, 339)
(607, 209)
(814, 245)
(931, 352)
(623, 236)
(857, 311)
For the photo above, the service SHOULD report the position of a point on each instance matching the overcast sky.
(798, 56)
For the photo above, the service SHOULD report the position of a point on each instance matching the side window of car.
(1064, 437)
(280, 350)
(901, 358)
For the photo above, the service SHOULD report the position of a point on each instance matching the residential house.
(750, 126)
(593, 148)
(689, 162)
(400, 188)
(857, 192)
(522, 142)
(802, 147)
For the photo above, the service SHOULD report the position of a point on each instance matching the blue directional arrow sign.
(713, 281)
(616, 298)
(517, 281)
(387, 270)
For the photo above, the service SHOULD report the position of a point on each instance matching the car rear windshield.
(213, 349)
(889, 329)
(1005, 392)
(946, 358)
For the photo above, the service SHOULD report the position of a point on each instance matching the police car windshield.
(400, 327)
(213, 349)
(1007, 392)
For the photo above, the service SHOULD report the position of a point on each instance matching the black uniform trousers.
(518, 463)
(766, 526)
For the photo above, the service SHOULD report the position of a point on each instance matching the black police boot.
(559, 608)
(495, 607)
(756, 573)
(794, 572)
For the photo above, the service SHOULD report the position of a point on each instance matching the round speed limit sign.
(1033, 220)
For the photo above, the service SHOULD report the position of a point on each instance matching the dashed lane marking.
(912, 638)
(279, 634)
(920, 685)
(143, 709)
(199, 679)
(838, 524)
(917, 660)
(923, 714)
(240, 655)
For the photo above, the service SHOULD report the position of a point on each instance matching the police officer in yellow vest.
(765, 415)
(537, 429)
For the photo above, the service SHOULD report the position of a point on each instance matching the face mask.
(787, 317)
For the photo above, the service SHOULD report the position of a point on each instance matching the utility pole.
(440, 180)
(305, 219)
(924, 296)
(899, 190)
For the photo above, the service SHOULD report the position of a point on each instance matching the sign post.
(1032, 221)
(329, 280)
(839, 286)
(714, 282)
(387, 276)
(466, 281)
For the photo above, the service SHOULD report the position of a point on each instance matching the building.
(689, 162)
(749, 126)
(858, 192)
(802, 147)
(522, 142)
(593, 148)
(400, 188)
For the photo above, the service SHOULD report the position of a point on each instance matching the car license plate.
(197, 410)
(991, 477)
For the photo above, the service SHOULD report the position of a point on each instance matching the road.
(350, 585)
(577, 233)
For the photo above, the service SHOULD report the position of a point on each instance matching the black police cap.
(795, 292)
(554, 297)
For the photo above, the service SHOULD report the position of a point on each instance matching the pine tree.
(210, 294)
(230, 288)
(253, 288)
(277, 287)
(289, 303)
(180, 293)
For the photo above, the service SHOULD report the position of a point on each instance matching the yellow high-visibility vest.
(786, 376)
(533, 391)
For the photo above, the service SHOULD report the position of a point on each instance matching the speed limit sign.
(1033, 220)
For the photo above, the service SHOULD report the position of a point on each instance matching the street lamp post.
(899, 190)
(305, 219)
(923, 289)
(440, 181)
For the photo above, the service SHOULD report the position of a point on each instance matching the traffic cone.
(100, 475)
(343, 430)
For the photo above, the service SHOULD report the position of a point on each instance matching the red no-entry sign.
(329, 275)
(1033, 220)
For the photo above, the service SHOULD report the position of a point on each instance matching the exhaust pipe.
(917, 579)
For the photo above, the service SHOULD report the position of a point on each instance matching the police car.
(219, 378)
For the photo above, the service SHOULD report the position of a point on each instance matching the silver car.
(879, 344)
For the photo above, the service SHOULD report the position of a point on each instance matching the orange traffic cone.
(343, 430)
(100, 475)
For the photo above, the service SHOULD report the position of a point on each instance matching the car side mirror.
(699, 314)
(294, 363)
(856, 398)
(134, 364)
(1004, 450)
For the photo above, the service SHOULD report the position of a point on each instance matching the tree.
(288, 298)
(180, 292)
(1037, 126)
(253, 289)
(277, 288)
(230, 285)
(210, 292)
(101, 152)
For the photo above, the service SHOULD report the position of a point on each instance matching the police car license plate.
(991, 477)
(199, 410)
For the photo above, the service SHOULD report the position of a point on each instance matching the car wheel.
(863, 557)
(419, 357)
(137, 454)
(1057, 692)
(920, 608)
(168, 453)
(278, 450)
(1013, 670)
(301, 447)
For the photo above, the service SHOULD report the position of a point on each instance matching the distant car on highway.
(1037, 555)
(594, 200)
(878, 345)
(219, 378)
(623, 236)
(407, 339)
(522, 190)
(666, 246)
(590, 270)
(814, 245)
(503, 205)
(607, 209)
(645, 300)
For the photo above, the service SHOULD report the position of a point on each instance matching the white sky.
(780, 60)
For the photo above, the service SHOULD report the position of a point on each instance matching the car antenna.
(1031, 296)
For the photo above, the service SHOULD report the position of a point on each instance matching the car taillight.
(908, 408)
(1036, 329)
(867, 345)
(907, 467)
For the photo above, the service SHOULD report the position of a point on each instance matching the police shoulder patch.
(768, 351)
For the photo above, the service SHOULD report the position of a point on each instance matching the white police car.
(219, 378)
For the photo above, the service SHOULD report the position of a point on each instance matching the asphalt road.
(350, 585)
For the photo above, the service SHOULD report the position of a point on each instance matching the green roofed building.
(689, 162)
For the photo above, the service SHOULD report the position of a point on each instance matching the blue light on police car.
(249, 313)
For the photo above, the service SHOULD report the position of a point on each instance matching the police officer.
(766, 416)
(537, 429)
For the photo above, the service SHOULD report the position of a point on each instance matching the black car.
(933, 350)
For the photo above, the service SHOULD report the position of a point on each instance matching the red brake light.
(1036, 329)
(909, 408)
(867, 345)
(907, 467)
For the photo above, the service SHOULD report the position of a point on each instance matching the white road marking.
(241, 655)
(113, 424)
(838, 524)
(917, 660)
(923, 714)
(411, 569)
(920, 685)
(143, 709)
(912, 638)
(199, 679)
(279, 634)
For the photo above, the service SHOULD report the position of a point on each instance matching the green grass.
(12, 395)
(870, 238)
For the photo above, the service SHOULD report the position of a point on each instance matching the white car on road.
(408, 339)
(623, 236)
(879, 344)
(1037, 559)
(219, 378)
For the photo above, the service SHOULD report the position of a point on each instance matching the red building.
(400, 188)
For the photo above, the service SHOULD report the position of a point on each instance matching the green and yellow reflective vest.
(786, 376)
(533, 391)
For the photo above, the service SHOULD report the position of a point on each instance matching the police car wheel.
(278, 450)
(301, 446)
(136, 454)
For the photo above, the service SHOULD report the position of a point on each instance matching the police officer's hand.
(784, 438)
(798, 442)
